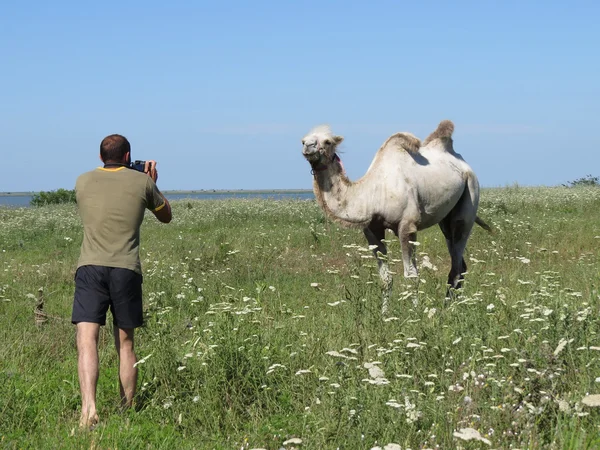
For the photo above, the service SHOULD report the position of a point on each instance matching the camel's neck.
(336, 194)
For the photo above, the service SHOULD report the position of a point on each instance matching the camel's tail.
(483, 225)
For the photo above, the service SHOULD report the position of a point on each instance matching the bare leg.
(87, 368)
(374, 235)
(127, 359)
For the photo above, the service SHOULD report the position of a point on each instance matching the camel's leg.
(375, 233)
(456, 241)
(407, 234)
(457, 227)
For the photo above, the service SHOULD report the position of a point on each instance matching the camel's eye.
(327, 142)
(302, 141)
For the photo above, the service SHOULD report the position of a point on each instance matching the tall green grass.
(263, 324)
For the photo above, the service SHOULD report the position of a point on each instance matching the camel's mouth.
(311, 153)
(312, 157)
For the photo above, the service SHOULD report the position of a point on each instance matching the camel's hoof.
(452, 294)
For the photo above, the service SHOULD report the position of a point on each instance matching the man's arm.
(163, 212)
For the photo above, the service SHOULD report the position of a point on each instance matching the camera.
(138, 165)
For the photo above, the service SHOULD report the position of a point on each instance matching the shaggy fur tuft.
(321, 130)
(407, 141)
(444, 132)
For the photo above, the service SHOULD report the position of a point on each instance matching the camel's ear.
(338, 139)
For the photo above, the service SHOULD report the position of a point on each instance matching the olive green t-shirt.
(111, 203)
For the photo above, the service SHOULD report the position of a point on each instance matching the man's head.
(115, 149)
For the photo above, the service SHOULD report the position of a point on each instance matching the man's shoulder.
(85, 176)
(124, 174)
(139, 176)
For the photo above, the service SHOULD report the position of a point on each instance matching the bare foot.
(88, 423)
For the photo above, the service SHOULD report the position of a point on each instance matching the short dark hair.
(114, 148)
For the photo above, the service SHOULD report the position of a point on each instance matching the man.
(111, 202)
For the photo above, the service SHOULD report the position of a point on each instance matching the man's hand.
(150, 169)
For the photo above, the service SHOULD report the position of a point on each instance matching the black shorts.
(98, 287)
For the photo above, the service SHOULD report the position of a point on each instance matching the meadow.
(264, 330)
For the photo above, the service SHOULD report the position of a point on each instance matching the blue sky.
(221, 93)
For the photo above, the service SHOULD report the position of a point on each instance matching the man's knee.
(124, 338)
(87, 332)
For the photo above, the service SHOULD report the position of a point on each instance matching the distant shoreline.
(198, 191)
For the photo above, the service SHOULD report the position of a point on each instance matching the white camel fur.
(409, 186)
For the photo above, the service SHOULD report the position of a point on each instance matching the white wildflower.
(563, 406)
(377, 381)
(336, 354)
(374, 371)
(394, 404)
(412, 415)
(390, 446)
(143, 360)
(427, 264)
(591, 400)
(456, 388)
(561, 345)
(467, 434)
(350, 350)
(273, 367)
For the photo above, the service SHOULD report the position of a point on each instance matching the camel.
(409, 186)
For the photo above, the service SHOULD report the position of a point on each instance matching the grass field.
(263, 325)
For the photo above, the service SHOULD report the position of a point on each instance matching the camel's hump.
(407, 141)
(444, 131)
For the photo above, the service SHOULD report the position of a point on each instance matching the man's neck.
(109, 164)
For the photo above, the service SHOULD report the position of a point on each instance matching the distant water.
(19, 201)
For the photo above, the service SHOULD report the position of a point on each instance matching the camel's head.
(320, 144)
